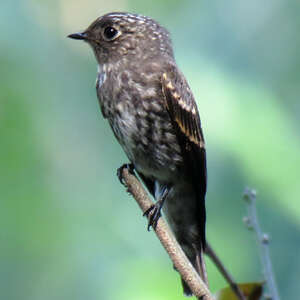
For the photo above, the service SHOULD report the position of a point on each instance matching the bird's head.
(116, 35)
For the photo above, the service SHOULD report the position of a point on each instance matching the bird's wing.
(185, 118)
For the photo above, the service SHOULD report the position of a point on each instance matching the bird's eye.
(110, 33)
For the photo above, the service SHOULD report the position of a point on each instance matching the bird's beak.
(78, 36)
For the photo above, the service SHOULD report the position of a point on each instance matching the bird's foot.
(153, 214)
(129, 167)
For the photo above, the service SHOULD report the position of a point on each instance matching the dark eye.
(110, 33)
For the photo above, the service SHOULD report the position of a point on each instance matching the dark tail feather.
(199, 264)
(186, 289)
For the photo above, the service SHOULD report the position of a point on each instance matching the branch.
(166, 237)
(216, 260)
(263, 243)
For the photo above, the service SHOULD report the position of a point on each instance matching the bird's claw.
(129, 167)
(153, 215)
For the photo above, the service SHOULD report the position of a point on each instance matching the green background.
(68, 230)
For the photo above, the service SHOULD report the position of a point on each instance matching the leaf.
(252, 291)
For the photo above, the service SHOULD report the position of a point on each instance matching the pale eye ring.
(110, 33)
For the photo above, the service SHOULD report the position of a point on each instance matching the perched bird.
(152, 112)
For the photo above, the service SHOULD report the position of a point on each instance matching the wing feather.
(185, 118)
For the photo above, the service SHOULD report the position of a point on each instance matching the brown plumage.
(154, 116)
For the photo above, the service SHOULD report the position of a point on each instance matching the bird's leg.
(130, 168)
(153, 212)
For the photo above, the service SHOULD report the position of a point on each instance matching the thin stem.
(216, 260)
(263, 243)
(166, 237)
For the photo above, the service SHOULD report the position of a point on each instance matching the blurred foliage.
(68, 230)
(253, 291)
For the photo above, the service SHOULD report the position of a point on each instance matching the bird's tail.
(196, 258)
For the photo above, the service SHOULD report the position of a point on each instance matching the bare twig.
(179, 259)
(216, 260)
(263, 243)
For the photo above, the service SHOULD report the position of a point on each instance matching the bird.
(153, 115)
